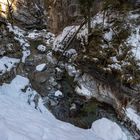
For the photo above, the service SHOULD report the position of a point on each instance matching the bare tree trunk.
(10, 11)
(89, 20)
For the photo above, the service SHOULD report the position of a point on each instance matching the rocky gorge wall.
(27, 12)
(67, 12)
(55, 14)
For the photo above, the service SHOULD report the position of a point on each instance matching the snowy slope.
(19, 121)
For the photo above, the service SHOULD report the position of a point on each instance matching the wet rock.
(29, 63)
(52, 82)
(51, 101)
(61, 111)
(40, 77)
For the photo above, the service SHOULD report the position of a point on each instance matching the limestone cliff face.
(30, 11)
(27, 11)
(56, 14)
(61, 13)
(66, 12)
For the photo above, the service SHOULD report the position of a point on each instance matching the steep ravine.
(57, 88)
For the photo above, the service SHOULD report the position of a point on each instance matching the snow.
(7, 63)
(71, 70)
(108, 35)
(114, 59)
(19, 36)
(115, 66)
(71, 53)
(40, 67)
(34, 34)
(82, 35)
(133, 116)
(37, 34)
(103, 126)
(134, 40)
(58, 93)
(41, 48)
(64, 36)
(70, 30)
(20, 121)
(83, 91)
(133, 15)
(98, 19)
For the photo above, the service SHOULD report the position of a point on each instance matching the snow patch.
(58, 93)
(109, 130)
(6, 64)
(19, 36)
(133, 116)
(83, 91)
(108, 35)
(41, 67)
(37, 34)
(41, 48)
(134, 40)
(70, 69)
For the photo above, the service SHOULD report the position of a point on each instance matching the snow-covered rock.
(48, 37)
(34, 34)
(41, 48)
(41, 67)
(83, 91)
(58, 93)
(109, 130)
(70, 69)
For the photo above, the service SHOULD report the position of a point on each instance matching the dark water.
(86, 111)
